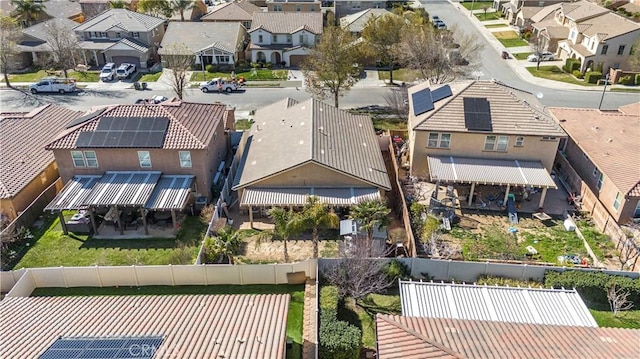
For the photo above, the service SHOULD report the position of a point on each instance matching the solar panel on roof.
(86, 118)
(440, 93)
(422, 101)
(98, 139)
(132, 124)
(84, 138)
(140, 139)
(146, 124)
(160, 124)
(156, 139)
(477, 114)
(126, 132)
(100, 347)
(104, 124)
(127, 139)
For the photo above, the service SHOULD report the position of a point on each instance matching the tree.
(634, 58)
(369, 215)
(332, 66)
(225, 243)
(618, 300)
(398, 101)
(178, 58)
(9, 34)
(64, 44)
(117, 4)
(440, 56)
(287, 224)
(28, 10)
(155, 8)
(181, 6)
(538, 46)
(315, 215)
(628, 251)
(383, 35)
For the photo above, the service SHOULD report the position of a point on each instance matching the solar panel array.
(422, 101)
(101, 347)
(125, 132)
(440, 93)
(477, 114)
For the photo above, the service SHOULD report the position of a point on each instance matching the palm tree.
(287, 224)
(27, 10)
(369, 215)
(315, 215)
(226, 242)
(118, 4)
(181, 6)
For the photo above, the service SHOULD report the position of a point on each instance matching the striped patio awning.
(297, 196)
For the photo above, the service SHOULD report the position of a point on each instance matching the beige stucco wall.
(12, 206)
(472, 145)
(292, 6)
(311, 174)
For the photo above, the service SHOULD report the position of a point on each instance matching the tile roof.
(197, 36)
(21, 161)
(287, 22)
(512, 111)
(356, 22)
(545, 12)
(123, 19)
(237, 10)
(62, 8)
(485, 339)
(501, 304)
(131, 43)
(581, 10)
(290, 133)
(609, 139)
(193, 326)
(41, 30)
(191, 125)
(608, 26)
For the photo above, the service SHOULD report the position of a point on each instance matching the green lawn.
(150, 77)
(89, 76)
(512, 42)
(627, 319)
(556, 74)
(509, 38)
(52, 248)
(243, 124)
(294, 318)
(522, 55)
(389, 124)
(494, 15)
(261, 75)
(364, 315)
(400, 75)
(478, 5)
(624, 89)
(495, 26)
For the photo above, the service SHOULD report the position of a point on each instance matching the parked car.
(440, 25)
(125, 70)
(53, 84)
(435, 18)
(545, 56)
(108, 72)
(218, 84)
(154, 100)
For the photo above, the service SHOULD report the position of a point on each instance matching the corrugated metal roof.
(485, 339)
(171, 192)
(502, 304)
(123, 188)
(194, 326)
(489, 171)
(297, 196)
(132, 43)
(74, 193)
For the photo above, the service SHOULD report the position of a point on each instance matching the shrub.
(592, 77)
(578, 74)
(570, 65)
(626, 80)
(268, 65)
(637, 81)
(338, 339)
(397, 270)
(593, 285)
(211, 68)
(599, 67)
(329, 299)
(501, 281)
(255, 65)
(242, 64)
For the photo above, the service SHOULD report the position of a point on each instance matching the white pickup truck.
(125, 70)
(218, 84)
(53, 84)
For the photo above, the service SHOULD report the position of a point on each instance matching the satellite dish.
(539, 95)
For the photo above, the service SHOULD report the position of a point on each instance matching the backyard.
(250, 75)
(556, 74)
(50, 247)
(509, 38)
(294, 317)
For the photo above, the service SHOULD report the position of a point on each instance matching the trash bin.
(144, 85)
(136, 85)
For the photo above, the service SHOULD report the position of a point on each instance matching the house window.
(489, 143)
(355, 5)
(439, 140)
(144, 158)
(185, 159)
(503, 143)
(84, 159)
(548, 138)
(78, 159)
(246, 24)
(303, 39)
(277, 7)
(90, 158)
(118, 35)
(298, 7)
(313, 8)
(621, 50)
(222, 59)
(274, 38)
(636, 213)
(496, 143)
(617, 201)
(259, 39)
(605, 48)
(445, 140)
(600, 180)
(289, 39)
(433, 139)
(519, 141)
(136, 35)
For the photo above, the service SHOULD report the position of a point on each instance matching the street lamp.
(204, 77)
(606, 82)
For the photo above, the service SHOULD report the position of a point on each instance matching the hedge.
(637, 79)
(578, 74)
(338, 339)
(592, 286)
(592, 77)
(626, 80)
(329, 298)
(571, 65)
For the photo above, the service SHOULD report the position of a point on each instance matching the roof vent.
(450, 330)
(608, 340)
(609, 140)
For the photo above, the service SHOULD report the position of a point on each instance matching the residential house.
(121, 35)
(418, 338)
(219, 43)
(278, 37)
(546, 29)
(343, 8)
(523, 16)
(356, 22)
(236, 11)
(481, 132)
(147, 326)
(296, 149)
(93, 8)
(63, 9)
(27, 169)
(511, 8)
(34, 46)
(602, 149)
(293, 5)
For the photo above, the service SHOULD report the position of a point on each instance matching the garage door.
(296, 60)
(128, 59)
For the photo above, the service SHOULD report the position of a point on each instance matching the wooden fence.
(29, 216)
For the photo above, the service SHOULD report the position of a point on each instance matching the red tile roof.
(455, 338)
(191, 125)
(193, 326)
(23, 136)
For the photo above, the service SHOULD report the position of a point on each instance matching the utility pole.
(471, 11)
(606, 82)
(204, 75)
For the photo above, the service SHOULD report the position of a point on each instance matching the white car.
(545, 56)
(219, 85)
(125, 70)
(108, 72)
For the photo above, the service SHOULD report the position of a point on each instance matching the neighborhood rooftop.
(237, 10)
(198, 36)
(287, 22)
(193, 326)
(122, 19)
(610, 139)
(502, 304)
(23, 160)
(422, 338)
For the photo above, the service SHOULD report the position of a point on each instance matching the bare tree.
(440, 56)
(628, 251)
(9, 34)
(618, 300)
(398, 101)
(64, 44)
(538, 46)
(178, 58)
(634, 57)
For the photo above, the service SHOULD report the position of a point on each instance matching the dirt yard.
(273, 251)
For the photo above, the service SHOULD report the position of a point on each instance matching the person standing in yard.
(219, 86)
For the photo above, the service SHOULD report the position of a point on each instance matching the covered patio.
(123, 198)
